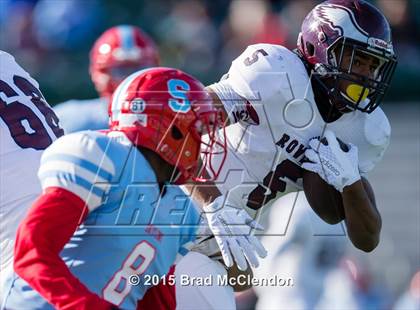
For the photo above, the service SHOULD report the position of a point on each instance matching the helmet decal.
(128, 51)
(138, 105)
(339, 18)
(177, 89)
(381, 44)
(117, 102)
(127, 37)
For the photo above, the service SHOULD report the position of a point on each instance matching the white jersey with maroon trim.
(274, 113)
(27, 127)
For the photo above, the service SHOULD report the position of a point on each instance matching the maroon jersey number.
(286, 169)
(254, 57)
(25, 127)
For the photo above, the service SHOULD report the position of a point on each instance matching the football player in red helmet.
(137, 103)
(165, 104)
(159, 117)
(117, 53)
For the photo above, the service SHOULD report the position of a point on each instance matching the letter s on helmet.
(356, 26)
(169, 112)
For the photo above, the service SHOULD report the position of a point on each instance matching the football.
(323, 198)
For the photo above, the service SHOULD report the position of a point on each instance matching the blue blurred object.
(66, 24)
(10, 7)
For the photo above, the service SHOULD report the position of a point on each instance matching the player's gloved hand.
(335, 166)
(231, 227)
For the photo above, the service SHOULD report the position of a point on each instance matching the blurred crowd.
(326, 270)
(52, 38)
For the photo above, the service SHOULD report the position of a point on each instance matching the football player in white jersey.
(118, 52)
(280, 103)
(27, 126)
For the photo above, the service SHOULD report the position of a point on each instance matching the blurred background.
(51, 39)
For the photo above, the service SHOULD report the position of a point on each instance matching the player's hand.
(335, 166)
(231, 227)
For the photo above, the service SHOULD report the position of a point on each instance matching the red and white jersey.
(269, 98)
(27, 127)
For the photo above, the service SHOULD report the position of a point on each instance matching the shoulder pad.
(377, 131)
(377, 128)
(264, 70)
(9, 67)
(77, 163)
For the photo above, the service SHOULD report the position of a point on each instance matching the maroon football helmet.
(348, 29)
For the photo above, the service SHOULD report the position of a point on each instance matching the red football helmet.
(117, 53)
(170, 113)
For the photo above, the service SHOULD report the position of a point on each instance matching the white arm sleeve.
(232, 102)
(238, 109)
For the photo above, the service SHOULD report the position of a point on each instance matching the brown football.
(323, 198)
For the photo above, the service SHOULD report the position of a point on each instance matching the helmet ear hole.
(310, 49)
(300, 41)
(176, 133)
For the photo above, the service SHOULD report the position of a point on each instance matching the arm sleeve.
(238, 109)
(259, 76)
(41, 236)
